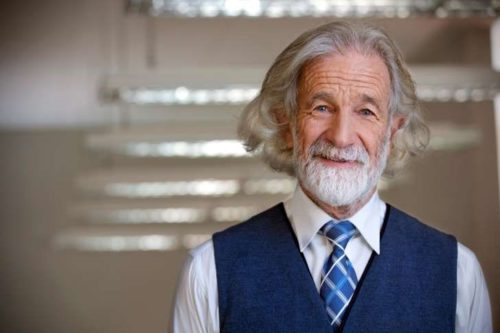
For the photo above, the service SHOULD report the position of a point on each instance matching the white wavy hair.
(266, 120)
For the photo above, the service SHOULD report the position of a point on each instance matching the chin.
(334, 186)
(340, 177)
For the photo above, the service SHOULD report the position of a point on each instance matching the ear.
(396, 124)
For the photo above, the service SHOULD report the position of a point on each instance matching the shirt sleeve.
(196, 302)
(473, 313)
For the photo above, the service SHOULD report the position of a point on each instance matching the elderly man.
(336, 109)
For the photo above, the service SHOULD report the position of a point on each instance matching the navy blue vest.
(264, 284)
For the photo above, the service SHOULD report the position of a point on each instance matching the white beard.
(341, 186)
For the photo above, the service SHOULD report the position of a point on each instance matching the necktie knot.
(339, 233)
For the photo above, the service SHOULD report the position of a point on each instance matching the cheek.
(310, 131)
(305, 137)
(384, 142)
(373, 140)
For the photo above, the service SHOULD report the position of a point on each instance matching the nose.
(340, 130)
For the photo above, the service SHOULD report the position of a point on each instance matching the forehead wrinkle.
(352, 71)
(338, 73)
(373, 91)
(326, 76)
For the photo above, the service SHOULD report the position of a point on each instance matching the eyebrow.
(328, 97)
(370, 100)
(319, 96)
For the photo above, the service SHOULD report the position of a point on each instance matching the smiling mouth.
(338, 162)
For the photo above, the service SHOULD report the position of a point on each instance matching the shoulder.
(467, 258)
(250, 241)
(469, 272)
(201, 253)
(254, 225)
(473, 304)
(199, 267)
(196, 308)
(415, 228)
(407, 235)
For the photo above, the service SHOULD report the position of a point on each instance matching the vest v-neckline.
(359, 286)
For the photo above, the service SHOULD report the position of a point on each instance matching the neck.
(341, 212)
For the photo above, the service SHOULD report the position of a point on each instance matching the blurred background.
(118, 146)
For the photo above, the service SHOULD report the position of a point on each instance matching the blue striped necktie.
(338, 278)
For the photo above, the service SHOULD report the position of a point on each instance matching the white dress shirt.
(196, 305)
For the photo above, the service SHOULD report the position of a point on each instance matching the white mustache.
(329, 151)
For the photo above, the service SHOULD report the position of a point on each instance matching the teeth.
(335, 159)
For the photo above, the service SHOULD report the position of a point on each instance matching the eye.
(367, 112)
(321, 108)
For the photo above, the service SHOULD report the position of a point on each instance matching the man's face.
(342, 132)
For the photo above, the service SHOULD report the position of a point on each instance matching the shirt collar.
(307, 219)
